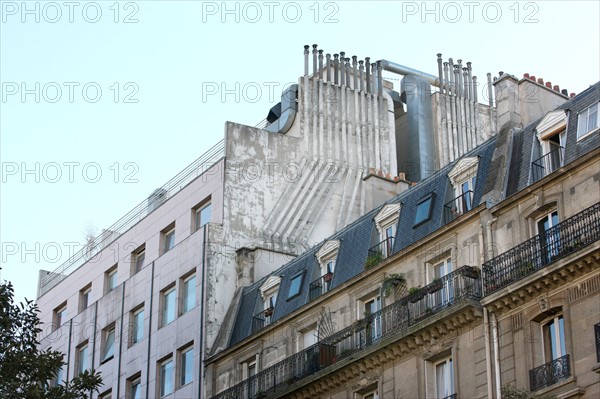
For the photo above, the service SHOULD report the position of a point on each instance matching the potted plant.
(373, 259)
(260, 395)
(393, 279)
(328, 277)
(269, 311)
(415, 294)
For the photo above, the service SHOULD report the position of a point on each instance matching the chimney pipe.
(572, 95)
(362, 75)
(439, 61)
(342, 68)
(472, 88)
(532, 78)
(460, 78)
(354, 71)
(321, 64)
(314, 52)
(490, 94)
(540, 81)
(379, 79)
(306, 47)
(335, 68)
(451, 72)
(368, 73)
(446, 77)
(556, 88)
(526, 75)
(475, 89)
(564, 92)
(549, 85)
(328, 62)
(348, 72)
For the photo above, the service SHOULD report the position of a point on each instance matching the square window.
(189, 294)
(137, 259)
(202, 214)
(84, 297)
(296, 285)
(168, 238)
(106, 395)
(110, 279)
(108, 343)
(134, 388)
(82, 358)
(186, 366)
(59, 316)
(166, 377)
(587, 121)
(423, 212)
(137, 325)
(168, 306)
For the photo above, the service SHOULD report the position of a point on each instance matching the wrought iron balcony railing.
(261, 319)
(396, 318)
(542, 250)
(458, 206)
(547, 164)
(453, 396)
(549, 373)
(379, 252)
(597, 333)
(320, 286)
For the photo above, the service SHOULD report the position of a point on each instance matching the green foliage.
(373, 260)
(392, 279)
(511, 392)
(25, 370)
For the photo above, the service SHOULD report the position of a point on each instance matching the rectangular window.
(59, 377)
(250, 371)
(446, 293)
(371, 307)
(137, 325)
(168, 238)
(82, 358)
(554, 339)
(587, 121)
(549, 235)
(168, 306)
(423, 212)
(444, 379)
(105, 395)
(59, 316)
(202, 214)
(134, 389)
(189, 294)
(110, 279)
(186, 366)
(295, 285)
(84, 297)
(137, 259)
(166, 377)
(108, 343)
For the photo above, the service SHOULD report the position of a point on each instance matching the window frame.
(162, 377)
(448, 361)
(300, 276)
(133, 381)
(181, 364)
(559, 331)
(427, 198)
(588, 132)
(198, 221)
(84, 297)
(136, 264)
(172, 289)
(185, 290)
(135, 325)
(58, 316)
(106, 334)
(166, 235)
(108, 279)
(83, 347)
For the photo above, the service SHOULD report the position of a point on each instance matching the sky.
(102, 102)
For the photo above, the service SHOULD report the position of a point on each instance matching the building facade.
(258, 269)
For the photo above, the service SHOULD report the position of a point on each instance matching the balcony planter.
(471, 272)
(415, 294)
(373, 260)
(435, 286)
(525, 268)
(328, 277)
(269, 311)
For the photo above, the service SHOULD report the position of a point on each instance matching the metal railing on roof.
(458, 206)
(547, 164)
(193, 170)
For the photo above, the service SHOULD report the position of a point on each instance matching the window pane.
(203, 216)
(109, 345)
(295, 286)
(561, 336)
(166, 378)
(82, 359)
(135, 390)
(169, 307)
(138, 326)
(187, 366)
(422, 213)
(169, 240)
(139, 261)
(189, 295)
(593, 118)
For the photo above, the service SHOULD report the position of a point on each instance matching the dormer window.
(587, 121)
(551, 135)
(268, 293)
(423, 212)
(326, 258)
(462, 177)
(385, 223)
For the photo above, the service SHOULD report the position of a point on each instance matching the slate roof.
(359, 236)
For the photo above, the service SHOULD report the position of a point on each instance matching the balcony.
(597, 333)
(542, 250)
(379, 252)
(388, 323)
(320, 286)
(458, 206)
(261, 319)
(547, 164)
(549, 373)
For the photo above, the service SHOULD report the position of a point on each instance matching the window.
(134, 387)
(444, 378)
(137, 259)
(370, 395)
(82, 358)
(326, 257)
(268, 293)
(587, 121)
(166, 377)
(108, 343)
(168, 306)
(549, 236)
(296, 285)
(58, 380)
(84, 297)
(371, 307)
(186, 366)
(553, 336)
(249, 371)
(309, 338)
(385, 222)
(423, 212)
(137, 325)
(59, 316)
(462, 177)
(446, 293)
(110, 279)
(202, 214)
(168, 238)
(106, 395)
(189, 294)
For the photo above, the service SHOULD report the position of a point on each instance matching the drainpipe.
(496, 356)
(203, 301)
(486, 324)
(69, 350)
(491, 102)
(488, 228)
(121, 338)
(149, 329)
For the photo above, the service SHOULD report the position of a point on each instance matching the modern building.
(246, 274)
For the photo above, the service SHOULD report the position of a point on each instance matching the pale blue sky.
(178, 47)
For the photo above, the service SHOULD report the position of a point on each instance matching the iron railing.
(458, 206)
(262, 319)
(379, 252)
(547, 164)
(597, 332)
(542, 250)
(195, 169)
(396, 318)
(320, 286)
(549, 373)
(453, 396)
